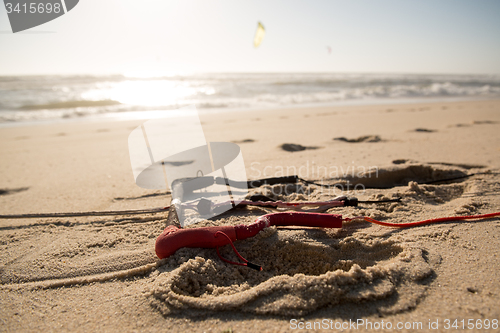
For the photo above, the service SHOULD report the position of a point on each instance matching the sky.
(186, 36)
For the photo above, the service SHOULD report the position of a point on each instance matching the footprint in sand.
(326, 114)
(295, 147)
(243, 141)
(483, 122)
(424, 130)
(366, 138)
(476, 122)
(5, 191)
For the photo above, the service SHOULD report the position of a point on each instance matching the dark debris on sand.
(295, 147)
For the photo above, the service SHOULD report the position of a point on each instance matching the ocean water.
(37, 98)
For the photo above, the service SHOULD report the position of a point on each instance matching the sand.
(101, 273)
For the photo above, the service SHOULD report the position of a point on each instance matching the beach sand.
(101, 273)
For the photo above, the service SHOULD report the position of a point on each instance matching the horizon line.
(185, 73)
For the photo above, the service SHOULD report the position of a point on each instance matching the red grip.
(173, 238)
(305, 219)
(295, 218)
(244, 231)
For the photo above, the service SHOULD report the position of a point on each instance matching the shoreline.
(152, 114)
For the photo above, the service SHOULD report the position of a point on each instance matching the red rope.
(246, 262)
(430, 221)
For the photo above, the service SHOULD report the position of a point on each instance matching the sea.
(65, 97)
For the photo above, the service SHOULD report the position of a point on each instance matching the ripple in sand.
(51, 252)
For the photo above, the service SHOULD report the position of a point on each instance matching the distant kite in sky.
(259, 35)
(329, 49)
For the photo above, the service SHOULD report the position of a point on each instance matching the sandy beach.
(101, 273)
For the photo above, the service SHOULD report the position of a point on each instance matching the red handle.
(173, 238)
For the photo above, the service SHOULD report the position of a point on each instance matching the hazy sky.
(116, 36)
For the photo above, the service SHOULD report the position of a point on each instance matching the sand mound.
(305, 270)
(401, 174)
(299, 276)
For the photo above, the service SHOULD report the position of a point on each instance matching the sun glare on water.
(151, 93)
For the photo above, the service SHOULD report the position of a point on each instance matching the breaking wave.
(55, 97)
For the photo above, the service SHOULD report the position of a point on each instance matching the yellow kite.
(259, 35)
